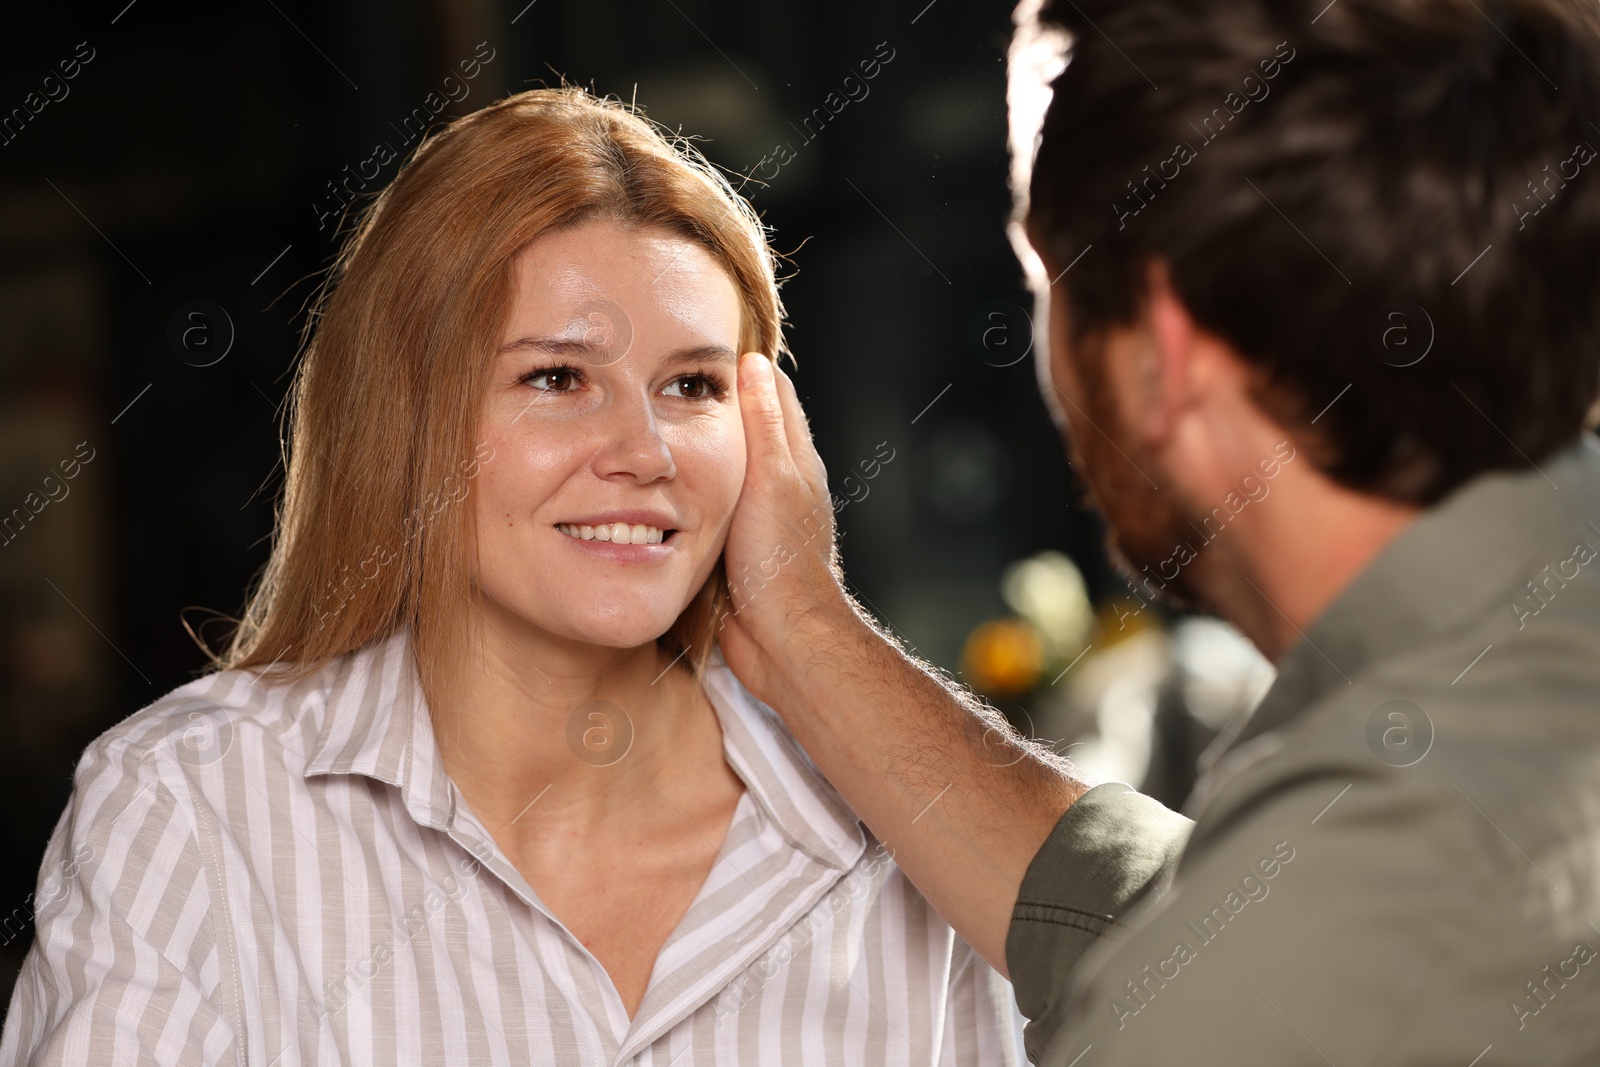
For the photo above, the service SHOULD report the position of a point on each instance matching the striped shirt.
(251, 872)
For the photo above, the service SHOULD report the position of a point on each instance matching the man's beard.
(1145, 525)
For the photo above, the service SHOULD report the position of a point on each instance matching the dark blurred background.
(189, 159)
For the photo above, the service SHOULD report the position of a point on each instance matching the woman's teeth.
(618, 533)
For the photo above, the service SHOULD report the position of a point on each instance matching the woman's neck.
(616, 831)
(578, 733)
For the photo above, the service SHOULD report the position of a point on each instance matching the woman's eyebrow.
(553, 345)
(596, 353)
(701, 354)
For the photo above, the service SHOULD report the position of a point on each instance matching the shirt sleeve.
(123, 967)
(1112, 847)
(1354, 918)
(982, 1024)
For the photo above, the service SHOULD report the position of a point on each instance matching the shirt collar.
(782, 779)
(376, 723)
(1457, 561)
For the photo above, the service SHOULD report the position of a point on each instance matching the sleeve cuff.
(1111, 848)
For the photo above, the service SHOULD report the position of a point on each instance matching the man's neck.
(1294, 556)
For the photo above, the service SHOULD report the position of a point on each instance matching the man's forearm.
(958, 798)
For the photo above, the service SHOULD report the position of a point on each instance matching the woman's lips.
(618, 551)
(617, 533)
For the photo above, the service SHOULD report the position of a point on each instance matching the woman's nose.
(634, 445)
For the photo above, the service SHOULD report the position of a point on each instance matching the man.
(1352, 249)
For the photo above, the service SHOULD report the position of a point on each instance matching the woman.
(473, 783)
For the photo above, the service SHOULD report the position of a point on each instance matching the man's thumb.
(762, 412)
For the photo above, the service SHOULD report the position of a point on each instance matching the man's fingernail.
(762, 367)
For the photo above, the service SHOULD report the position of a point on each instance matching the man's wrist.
(828, 640)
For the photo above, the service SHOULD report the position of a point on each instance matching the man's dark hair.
(1347, 164)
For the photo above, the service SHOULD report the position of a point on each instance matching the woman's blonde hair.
(371, 531)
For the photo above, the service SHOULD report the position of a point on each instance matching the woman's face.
(613, 417)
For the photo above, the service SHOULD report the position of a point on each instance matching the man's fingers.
(796, 427)
(762, 410)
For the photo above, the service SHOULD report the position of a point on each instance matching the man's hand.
(781, 558)
(960, 801)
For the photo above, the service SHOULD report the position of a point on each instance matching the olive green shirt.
(1395, 858)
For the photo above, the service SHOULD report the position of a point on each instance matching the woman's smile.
(620, 542)
(616, 475)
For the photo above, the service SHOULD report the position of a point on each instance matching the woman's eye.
(562, 379)
(698, 387)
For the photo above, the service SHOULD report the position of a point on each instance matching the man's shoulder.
(1478, 758)
(1427, 834)
(1343, 892)
(1511, 709)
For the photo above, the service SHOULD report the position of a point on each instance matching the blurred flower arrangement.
(1137, 697)
(1053, 624)
(1102, 715)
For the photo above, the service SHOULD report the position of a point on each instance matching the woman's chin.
(611, 621)
(617, 629)
(627, 637)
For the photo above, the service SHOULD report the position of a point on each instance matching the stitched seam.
(1053, 906)
(1061, 922)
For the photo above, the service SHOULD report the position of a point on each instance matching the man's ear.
(1166, 358)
